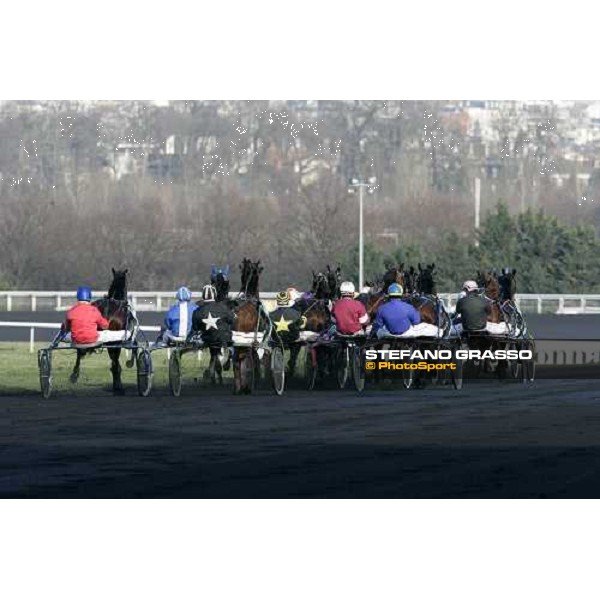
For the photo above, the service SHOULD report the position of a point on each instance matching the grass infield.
(19, 371)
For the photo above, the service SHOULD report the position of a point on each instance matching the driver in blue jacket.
(178, 322)
(395, 316)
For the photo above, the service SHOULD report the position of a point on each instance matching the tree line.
(210, 182)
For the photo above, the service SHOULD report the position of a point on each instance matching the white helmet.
(294, 294)
(209, 293)
(347, 288)
(470, 285)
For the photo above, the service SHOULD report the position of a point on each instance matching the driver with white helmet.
(350, 315)
(214, 319)
(178, 322)
(472, 308)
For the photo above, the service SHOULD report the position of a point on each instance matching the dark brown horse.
(219, 278)
(314, 306)
(424, 297)
(334, 280)
(113, 307)
(508, 285)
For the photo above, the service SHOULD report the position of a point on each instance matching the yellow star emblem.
(282, 324)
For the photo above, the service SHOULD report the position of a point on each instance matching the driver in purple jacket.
(395, 316)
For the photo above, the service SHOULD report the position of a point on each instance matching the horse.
(394, 274)
(316, 309)
(376, 297)
(508, 285)
(424, 297)
(492, 294)
(489, 282)
(247, 320)
(219, 279)
(113, 307)
(334, 280)
(411, 280)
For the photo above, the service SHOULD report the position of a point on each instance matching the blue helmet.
(84, 293)
(183, 294)
(395, 290)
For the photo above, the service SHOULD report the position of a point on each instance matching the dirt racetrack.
(492, 439)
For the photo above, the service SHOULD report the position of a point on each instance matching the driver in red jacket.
(84, 320)
(349, 314)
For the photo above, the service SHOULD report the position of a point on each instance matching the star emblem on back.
(210, 322)
(282, 324)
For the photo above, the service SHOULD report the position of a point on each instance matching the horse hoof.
(118, 392)
(74, 377)
(129, 363)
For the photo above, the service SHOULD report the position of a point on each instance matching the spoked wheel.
(278, 370)
(342, 368)
(45, 368)
(247, 372)
(528, 365)
(513, 365)
(144, 372)
(310, 368)
(457, 374)
(358, 371)
(175, 373)
(408, 375)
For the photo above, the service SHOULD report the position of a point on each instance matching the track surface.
(492, 439)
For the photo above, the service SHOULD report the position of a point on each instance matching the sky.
(308, 50)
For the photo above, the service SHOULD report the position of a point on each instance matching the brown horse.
(490, 283)
(424, 297)
(314, 306)
(113, 307)
(247, 320)
(394, 274)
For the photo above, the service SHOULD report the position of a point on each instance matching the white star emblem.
(210, 322)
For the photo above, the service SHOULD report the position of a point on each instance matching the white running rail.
(11, 301)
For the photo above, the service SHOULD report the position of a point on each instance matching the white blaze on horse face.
(210, 322)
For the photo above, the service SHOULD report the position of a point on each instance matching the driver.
(350, 315)
(83, 321)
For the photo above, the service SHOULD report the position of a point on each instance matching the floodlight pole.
(355, 183)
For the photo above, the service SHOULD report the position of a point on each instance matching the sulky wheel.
(175, 373)
(45, 368)
(144, 372)
(278, 370)
(457, 374)
(310, 368)
(358, 369)
(342, 368)
(528, 365)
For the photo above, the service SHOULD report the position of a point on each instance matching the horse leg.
(115, 368)
(131, 361)
(219, 368)
(294, 351)
(75, 374)
(237, 373)
(214, 366)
